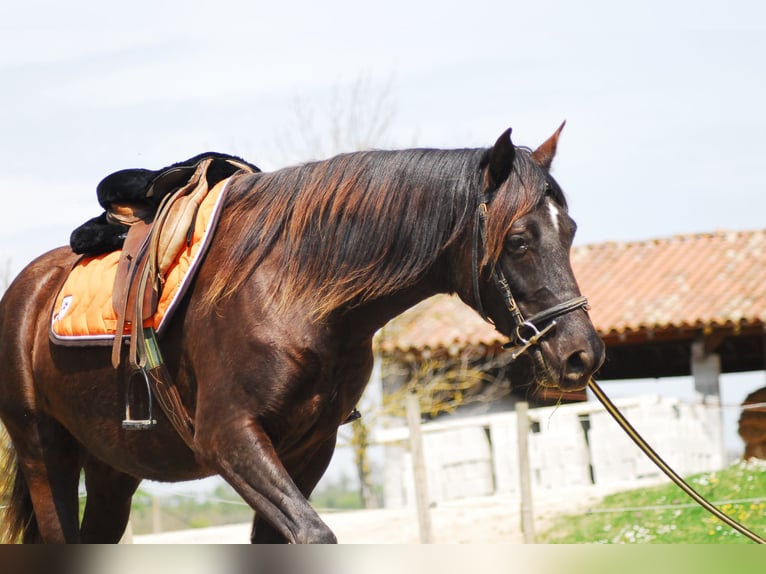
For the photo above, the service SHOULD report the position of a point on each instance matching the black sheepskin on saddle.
(98, 235)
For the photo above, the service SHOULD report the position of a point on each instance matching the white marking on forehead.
(554, 211)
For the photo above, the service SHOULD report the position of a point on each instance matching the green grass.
(632, 520)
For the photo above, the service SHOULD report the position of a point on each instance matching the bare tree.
(445, 384)
(352, 117)
(5, 281)
(5, 276)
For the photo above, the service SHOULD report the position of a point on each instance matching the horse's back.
(54, 262)
(38, 281)
(23, 305)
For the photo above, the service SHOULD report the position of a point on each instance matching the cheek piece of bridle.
(528, 332)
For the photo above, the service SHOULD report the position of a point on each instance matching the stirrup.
(129, 423)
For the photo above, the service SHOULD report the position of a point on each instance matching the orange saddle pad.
(83, 313)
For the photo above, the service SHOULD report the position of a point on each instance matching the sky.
(664, 100)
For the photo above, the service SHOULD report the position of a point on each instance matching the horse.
(272, 345)
(752, 425)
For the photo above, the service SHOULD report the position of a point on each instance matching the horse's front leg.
(244, 456)
(306, 472)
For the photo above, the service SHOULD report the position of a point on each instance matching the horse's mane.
(359, 225)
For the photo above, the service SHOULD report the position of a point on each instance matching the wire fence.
(170, 492)
(688, 505)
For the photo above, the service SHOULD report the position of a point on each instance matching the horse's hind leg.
(48, 460)
(107, 506)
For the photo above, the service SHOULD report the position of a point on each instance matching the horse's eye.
(517, 244)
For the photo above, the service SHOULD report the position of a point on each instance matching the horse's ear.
(543, 156)
(500, 160)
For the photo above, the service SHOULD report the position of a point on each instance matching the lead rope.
(662, 465)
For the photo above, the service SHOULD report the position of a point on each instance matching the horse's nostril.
(578, 363)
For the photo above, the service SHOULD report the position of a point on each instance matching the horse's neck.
(442, 277)
(368, 318)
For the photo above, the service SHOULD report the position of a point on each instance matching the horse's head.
(522, 279)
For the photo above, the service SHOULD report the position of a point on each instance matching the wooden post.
(156, 515)
(127, 536)
(419, 468)
(706, 371)
(525, 480)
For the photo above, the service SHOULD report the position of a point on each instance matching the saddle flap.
(175, 220)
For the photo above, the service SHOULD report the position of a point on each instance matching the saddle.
(132, 195)
(150, 215)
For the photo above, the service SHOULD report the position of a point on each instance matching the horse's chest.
(325, 399)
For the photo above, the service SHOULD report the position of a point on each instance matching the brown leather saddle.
(154, 238)
(151, 225)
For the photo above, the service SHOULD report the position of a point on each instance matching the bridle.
(528, 332)
(527, 335)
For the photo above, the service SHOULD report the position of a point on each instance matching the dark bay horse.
(272, 346)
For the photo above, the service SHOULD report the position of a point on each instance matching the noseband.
(528, 332)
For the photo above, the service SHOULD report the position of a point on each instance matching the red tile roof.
(683, 282)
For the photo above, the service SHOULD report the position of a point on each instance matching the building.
(684, 305)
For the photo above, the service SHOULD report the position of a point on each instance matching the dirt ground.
(490, 520)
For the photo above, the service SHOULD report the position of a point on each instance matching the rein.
(528, 332)
(663, 466)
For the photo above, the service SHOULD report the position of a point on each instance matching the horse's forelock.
(520, 194)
